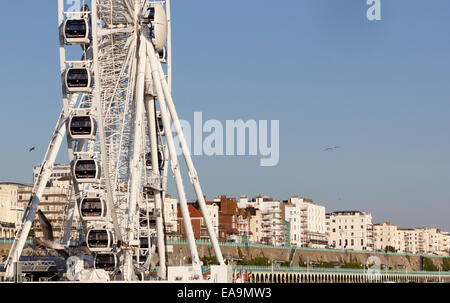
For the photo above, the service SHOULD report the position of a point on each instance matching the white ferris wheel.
(116, 116)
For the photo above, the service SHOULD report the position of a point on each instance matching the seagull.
(48, 240)
(332, 148)
(32, 149)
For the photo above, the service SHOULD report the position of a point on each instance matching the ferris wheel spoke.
(112, 31)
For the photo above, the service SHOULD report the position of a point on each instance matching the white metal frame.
(129, 83)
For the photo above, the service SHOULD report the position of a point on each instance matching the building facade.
(11, 211)
(256, 226)
(313, 223)
(292, 214)
(59, 171)
(53, 204)
(386, 237)
(213, 211)
(196, 221)
(171, 218)
(350, 230)
(411, 239)
(273, 223)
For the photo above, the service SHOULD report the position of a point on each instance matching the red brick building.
(196, 220)
(234, 223)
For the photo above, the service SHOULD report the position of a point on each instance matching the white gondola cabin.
(93, 208)
(158, 19)
(107, 262)
(148, 160)
(100, 240)
(87, 170)
(78, 80)
(77, 31)
(160, 124)
(83, 127)
(144, 243)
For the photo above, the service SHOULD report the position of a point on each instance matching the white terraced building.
(386, 237)
(171, 217)
(59, 171)
(10, 211)
(313, 224)
(350, 230)
(292, 214)
(54, 203)
(272, 221)
(410, 243)
(273, 226)
(433, 241)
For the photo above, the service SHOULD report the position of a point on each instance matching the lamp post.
(307, 265)
(439, 273)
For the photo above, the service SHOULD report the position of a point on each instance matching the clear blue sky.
(378, 89)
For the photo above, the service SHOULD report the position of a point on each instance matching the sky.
(380, 90)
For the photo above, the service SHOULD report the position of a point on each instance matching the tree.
(390, 249)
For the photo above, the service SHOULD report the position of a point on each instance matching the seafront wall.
(298, 256)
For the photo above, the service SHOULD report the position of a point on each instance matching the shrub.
(209, 260)
(428, 265)
(446, 264)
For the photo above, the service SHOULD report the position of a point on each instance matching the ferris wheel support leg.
(169, 44)
(136, 163)
(190, 165)
(151, 119)
(75, 194)
(69, 222)
(175, 165)
(44, 177)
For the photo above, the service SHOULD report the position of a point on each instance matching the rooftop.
(347, 213)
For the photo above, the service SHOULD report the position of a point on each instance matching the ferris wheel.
(116, 118)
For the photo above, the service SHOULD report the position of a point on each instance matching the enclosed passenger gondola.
(159, 25)
(92, 208)
(107, 262)
(77, 31)
(148, 160)
(100, 240)
(160, 124)
(78, 80)
(144, 243)
(87, 170)
(83, 127)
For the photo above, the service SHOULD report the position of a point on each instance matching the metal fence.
(11, 241)
(276, 269)
(245, 245)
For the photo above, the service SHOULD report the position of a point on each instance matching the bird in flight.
(32, 149)
(331, 148)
